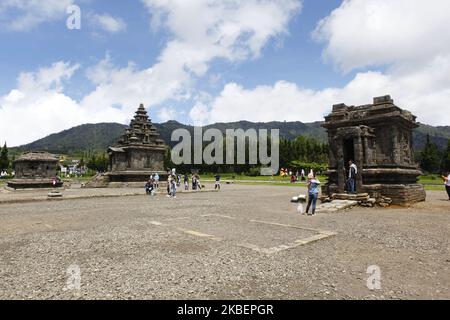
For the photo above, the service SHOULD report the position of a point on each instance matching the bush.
(308, 166)
(254, 172)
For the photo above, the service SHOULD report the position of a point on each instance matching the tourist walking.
(156, 178)
(186, 182)
(313, 192)
(446, 179)
(169, 184)
(217, 184)
(199, 184)
(173, 188)
(150, 187)
(194, 182)
(351, 181)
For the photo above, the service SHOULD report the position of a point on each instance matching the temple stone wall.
(378, 138)
(34, 170)
(138, 154)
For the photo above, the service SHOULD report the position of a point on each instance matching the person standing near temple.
(173, 188)
(186, 182)
(313, 192)
(169, 185)
(446, 179)
(156, 178)
(352, 172)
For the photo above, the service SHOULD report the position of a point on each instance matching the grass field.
(430, 182)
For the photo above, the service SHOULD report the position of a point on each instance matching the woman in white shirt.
(446, 178)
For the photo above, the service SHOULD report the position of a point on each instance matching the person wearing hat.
(313, 192)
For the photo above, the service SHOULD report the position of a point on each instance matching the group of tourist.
(152, 184)
(174, 182)
(294, 176)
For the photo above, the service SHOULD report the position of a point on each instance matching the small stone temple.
(378, 138)
(138, 153)
(34, 170)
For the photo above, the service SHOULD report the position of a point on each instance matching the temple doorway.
(349, 152)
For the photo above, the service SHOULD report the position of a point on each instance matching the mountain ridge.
(98, 137)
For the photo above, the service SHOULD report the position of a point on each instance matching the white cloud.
(362, 33)
(287, 101)
(223, 30)
(167, 113)
(23, 15)
(200, 114)
(410, 37)
(109, 23)
(39, 107)
(231, 30)
(204, 30)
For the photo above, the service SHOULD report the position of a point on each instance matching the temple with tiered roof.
(138, 153)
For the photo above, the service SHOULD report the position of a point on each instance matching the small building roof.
(37, 156)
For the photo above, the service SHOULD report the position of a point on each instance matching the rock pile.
(384, 201)
(341, 201)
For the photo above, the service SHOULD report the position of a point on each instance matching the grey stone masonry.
(138, 154)
(378, 138)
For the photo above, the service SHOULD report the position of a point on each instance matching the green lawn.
(434, 179)
(236, 177)
(430, 182)
(262, 183)
(434, 187)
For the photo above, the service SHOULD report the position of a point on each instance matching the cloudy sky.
(204, 61)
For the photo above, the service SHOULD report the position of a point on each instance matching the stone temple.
(378, 138)
(34, 170)
(138, 153)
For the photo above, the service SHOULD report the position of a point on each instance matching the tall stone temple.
(138, 153)
(378, 138)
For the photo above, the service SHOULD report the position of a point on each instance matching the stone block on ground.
(336, 205)
(54, 194)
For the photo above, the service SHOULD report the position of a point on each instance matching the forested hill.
(98, 137)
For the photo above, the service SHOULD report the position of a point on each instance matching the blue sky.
(295, 57)
(204, 61)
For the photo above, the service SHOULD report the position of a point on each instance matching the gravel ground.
(212, 246)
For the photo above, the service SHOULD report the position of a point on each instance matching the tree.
(82, 164)
(4, 161)
(430, 158)
(445, 164)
